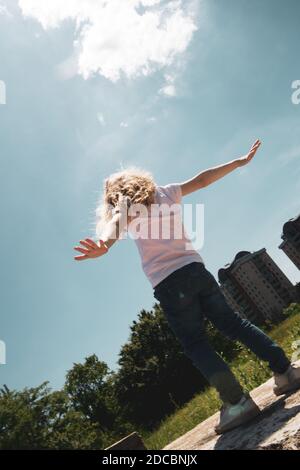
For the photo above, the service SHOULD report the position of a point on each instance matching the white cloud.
(4, 11)
(101, 119)
(124, 124)
(68, 68)
(151, 119)
(169, 88)
(115, 37)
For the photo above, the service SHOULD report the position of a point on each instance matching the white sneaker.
(232, 416)
(287, 382)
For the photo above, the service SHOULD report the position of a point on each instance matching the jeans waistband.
(176, 274)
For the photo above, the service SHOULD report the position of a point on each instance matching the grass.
(248, 368)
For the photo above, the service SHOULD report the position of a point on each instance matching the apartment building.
(254, 285)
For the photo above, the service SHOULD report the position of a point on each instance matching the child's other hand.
(91, 250)
(247, 158)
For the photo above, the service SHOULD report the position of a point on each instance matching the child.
(184, 287)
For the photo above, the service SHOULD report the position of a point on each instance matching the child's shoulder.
(170, 191)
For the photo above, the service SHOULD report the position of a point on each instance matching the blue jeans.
(191, 292)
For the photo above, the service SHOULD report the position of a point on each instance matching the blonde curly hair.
(134, 183)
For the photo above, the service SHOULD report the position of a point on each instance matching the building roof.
(291, 226)
(239, 258)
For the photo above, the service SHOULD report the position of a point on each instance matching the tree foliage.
(37, 418)
(97, 406)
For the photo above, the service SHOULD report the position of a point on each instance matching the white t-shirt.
(160, 235)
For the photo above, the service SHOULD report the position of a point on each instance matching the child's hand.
(92, 250)
(247, 158)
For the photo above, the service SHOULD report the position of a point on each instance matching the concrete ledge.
(278, 427)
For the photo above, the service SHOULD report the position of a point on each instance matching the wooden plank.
(131, 442)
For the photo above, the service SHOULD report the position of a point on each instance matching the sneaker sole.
(287, 389)
(251, 414)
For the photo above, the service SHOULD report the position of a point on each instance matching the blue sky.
(175, 101)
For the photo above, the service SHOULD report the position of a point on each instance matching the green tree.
(37, 418)
(91, 389)
(155, 375)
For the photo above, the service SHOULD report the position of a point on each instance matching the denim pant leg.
(232, 325)
(184, 315)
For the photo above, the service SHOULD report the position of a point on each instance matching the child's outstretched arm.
(211, 175)
(109, 236)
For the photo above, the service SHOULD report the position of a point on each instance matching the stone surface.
(278, 427)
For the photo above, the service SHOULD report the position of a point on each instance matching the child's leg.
(185, 318)
(235, 327)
